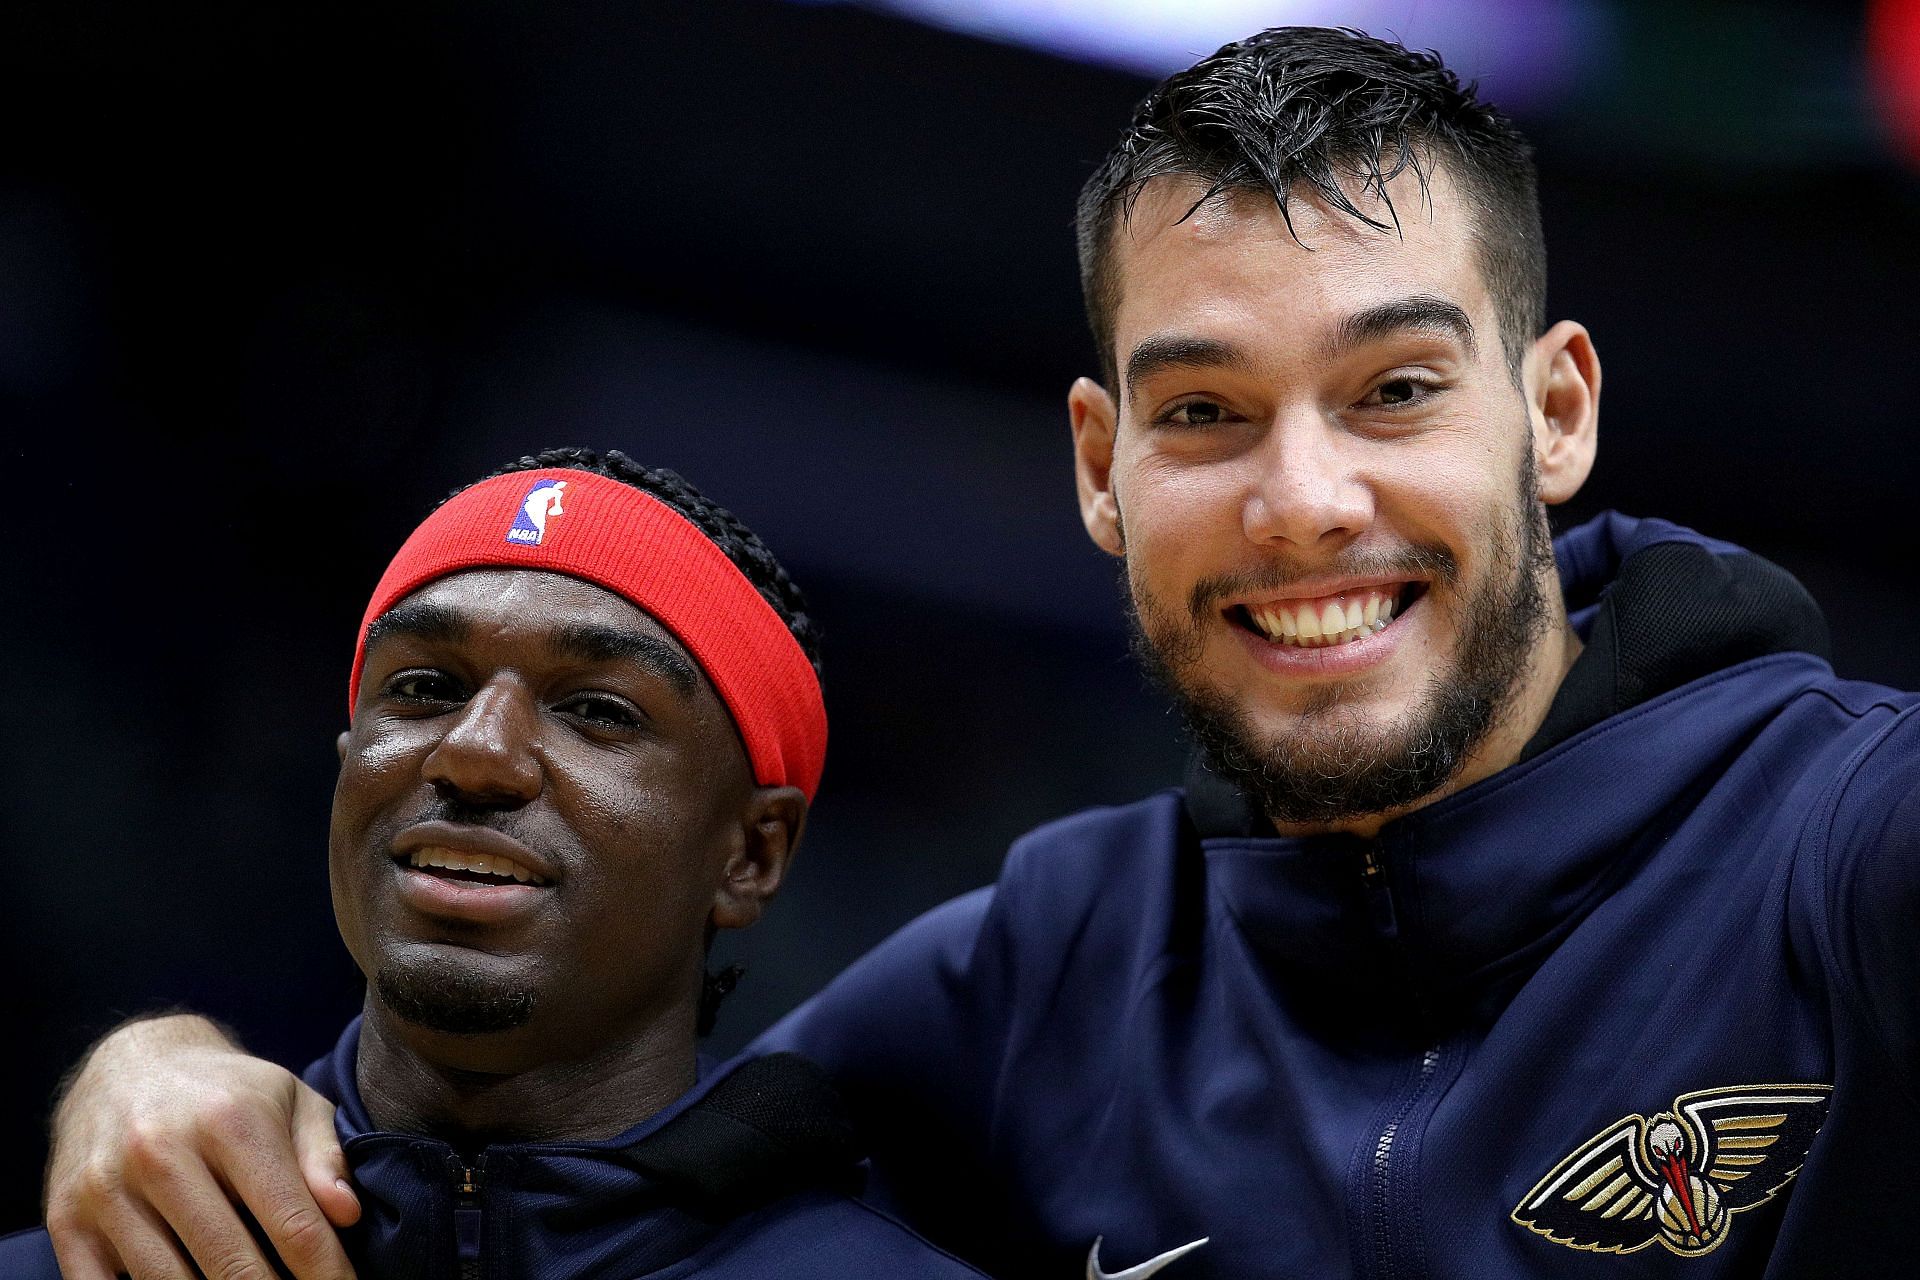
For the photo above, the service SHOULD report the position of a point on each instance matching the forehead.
(1235, 264)
(563, 615)
(530, 600)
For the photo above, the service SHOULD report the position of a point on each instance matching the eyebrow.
(421, 621)
(1164, 351)
(581, 641)
(595, 642)
(1420, 312)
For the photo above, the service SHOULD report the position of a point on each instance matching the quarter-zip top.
(1638, 1004)
(746, 1176)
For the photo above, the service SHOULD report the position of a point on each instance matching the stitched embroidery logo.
(1680, 1176)
(542, 503)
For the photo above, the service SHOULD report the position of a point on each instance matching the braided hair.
(748, 554)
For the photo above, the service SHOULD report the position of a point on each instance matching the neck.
(417, 1081)
(1515, 726)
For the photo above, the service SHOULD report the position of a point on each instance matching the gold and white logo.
(1679, 1176)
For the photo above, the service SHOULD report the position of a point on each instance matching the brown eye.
(1196, 413)
(424, 686)
(600, 710)
(1396, 393)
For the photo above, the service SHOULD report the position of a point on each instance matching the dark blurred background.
(272, 282)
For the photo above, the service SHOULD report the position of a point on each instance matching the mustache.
(466, 814)
(1414, 561)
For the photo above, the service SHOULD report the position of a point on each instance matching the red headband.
(613, 535)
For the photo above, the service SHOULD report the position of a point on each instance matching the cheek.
(1173, 514)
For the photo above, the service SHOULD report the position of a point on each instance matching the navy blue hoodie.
(745, 1177)
(1643, 1004)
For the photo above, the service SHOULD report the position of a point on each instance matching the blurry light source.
(1893, 55)
(1526, 53)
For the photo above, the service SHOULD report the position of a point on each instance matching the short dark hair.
(1319, 105)
(741, 544)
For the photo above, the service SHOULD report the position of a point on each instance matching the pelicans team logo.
(541, 504)
(1681, 1176)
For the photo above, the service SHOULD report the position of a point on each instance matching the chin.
(448, 994)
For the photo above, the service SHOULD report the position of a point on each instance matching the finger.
(83, 1255)
(147, 1249)
(269, 1181)
(206, 1223)
(322, 1163)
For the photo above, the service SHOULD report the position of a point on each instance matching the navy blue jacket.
(1643, 1004)
(745, 1177)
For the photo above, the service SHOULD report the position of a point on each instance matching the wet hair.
(750, 555)
(1319, 108)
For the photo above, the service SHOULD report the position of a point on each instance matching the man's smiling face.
(1326, 485)
(540, 809)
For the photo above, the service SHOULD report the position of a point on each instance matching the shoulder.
(1067, 863)
(1058, 881)
(932, 1001)
(1866, 825)
(28, 1255)
(828, 1236)
(1862, 842)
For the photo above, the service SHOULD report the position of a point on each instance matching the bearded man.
(1532, 904)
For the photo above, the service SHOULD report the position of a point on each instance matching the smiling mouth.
(473, 868)
(1327, 621)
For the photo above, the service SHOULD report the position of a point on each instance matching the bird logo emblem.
(1679, 1176)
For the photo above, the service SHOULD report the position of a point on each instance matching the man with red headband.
(586, 725)
(1538, 903)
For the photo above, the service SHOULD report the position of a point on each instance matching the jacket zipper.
(1386, 924)
(1380, 909)
(1383, 1157)
(467, 1221)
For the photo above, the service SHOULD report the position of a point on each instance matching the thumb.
(322, 1163)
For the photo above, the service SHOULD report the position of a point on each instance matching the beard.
(1336, 767)
(440, 995)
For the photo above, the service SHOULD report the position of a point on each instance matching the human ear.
(1094, 417)
(1562, 380)
(770, 830)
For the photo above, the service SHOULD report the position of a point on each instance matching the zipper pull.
(467, 1181)
(1379, 895)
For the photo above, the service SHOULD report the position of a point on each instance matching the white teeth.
(484, 863)
(1340, 620)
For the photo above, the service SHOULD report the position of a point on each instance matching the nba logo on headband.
(542, 502)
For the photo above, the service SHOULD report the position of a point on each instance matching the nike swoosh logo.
(1142, 1271)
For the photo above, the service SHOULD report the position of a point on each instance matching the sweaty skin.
(1291, 414)
(1254, 447)
(515, 709)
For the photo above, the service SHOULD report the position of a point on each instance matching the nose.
(487, 756)
(1303, 486)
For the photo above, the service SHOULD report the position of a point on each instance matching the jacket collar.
(749, 1133)
(1692, 644)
